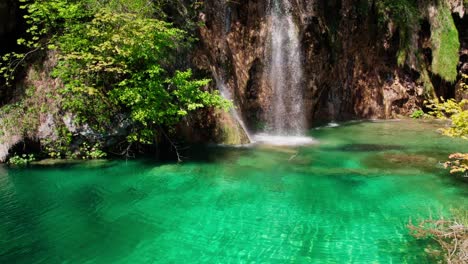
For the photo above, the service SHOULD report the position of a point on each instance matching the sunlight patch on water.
(329, 125)
(277, 140)
(333, 124)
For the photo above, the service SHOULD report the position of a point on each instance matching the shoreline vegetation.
(115, 78)
(450, 234)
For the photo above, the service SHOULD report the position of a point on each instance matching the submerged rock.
(369, 147)
(401, 160)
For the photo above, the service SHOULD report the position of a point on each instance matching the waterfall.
(286, 115)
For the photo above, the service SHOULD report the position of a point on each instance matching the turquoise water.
(346, 199)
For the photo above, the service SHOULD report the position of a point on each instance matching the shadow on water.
(409, 251)
(208, 154)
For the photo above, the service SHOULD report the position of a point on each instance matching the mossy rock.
(445, 43)
(229, 131)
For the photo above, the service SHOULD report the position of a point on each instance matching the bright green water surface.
(345, 200)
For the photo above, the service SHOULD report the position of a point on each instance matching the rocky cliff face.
(350, 65)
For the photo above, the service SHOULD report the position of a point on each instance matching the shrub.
(121, 62)
(417, 114)
(114, 57)
(21, 160)
(91, 152)
(451, 109)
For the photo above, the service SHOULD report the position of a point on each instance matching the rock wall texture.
(350, 64)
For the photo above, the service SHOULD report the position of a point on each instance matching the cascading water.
(286, 116)
(221, 85)
(286, 121)
(220, 82)
(285, 73)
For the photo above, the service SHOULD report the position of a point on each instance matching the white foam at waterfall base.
(279, 140)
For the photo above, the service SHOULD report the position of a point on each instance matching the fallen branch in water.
(451, 235)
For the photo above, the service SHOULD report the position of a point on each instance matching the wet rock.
(229, 131)
(217, 126)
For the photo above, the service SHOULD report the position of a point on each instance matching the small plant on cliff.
(417, 114)
(20, 119)
(60, 147)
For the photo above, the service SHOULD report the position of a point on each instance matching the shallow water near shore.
(344, 199)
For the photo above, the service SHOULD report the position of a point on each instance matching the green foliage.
(19, 119)
(114, 57)
(405, 15)
(459, 125)
(458, 113)
(59, 148)
(122, 62)
(463, 84)
(455, 111)
(417, 114)
(444, 109)
(21, 160)
(445, 44)
(91, 152)
(43, 19)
